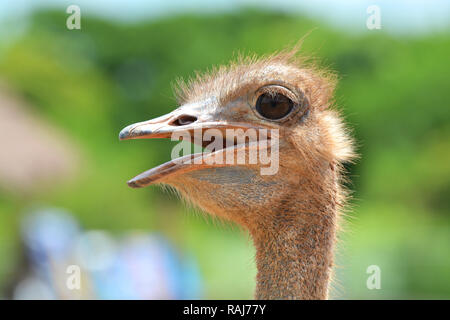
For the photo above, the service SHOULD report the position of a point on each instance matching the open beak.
(189, 118)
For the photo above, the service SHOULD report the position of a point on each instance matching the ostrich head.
(287, 104)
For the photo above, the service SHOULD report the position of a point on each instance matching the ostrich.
(292, 216)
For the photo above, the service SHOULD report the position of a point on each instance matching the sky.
(397, 16)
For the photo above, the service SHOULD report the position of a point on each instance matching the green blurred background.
(90, 83)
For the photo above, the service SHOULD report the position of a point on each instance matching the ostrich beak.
(181, 119)
(190, 118)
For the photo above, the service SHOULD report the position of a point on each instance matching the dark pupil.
(273, 106)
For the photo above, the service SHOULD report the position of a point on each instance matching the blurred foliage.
(393, 91)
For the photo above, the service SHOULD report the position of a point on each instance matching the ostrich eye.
(273, 106)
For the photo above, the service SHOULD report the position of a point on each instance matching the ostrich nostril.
(183, 120)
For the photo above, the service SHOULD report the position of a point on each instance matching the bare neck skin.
(294, 247)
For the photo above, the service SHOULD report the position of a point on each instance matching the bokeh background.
(65, 95)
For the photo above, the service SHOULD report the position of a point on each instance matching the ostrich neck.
(294, 247)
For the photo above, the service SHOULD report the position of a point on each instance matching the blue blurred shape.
(135, 266)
